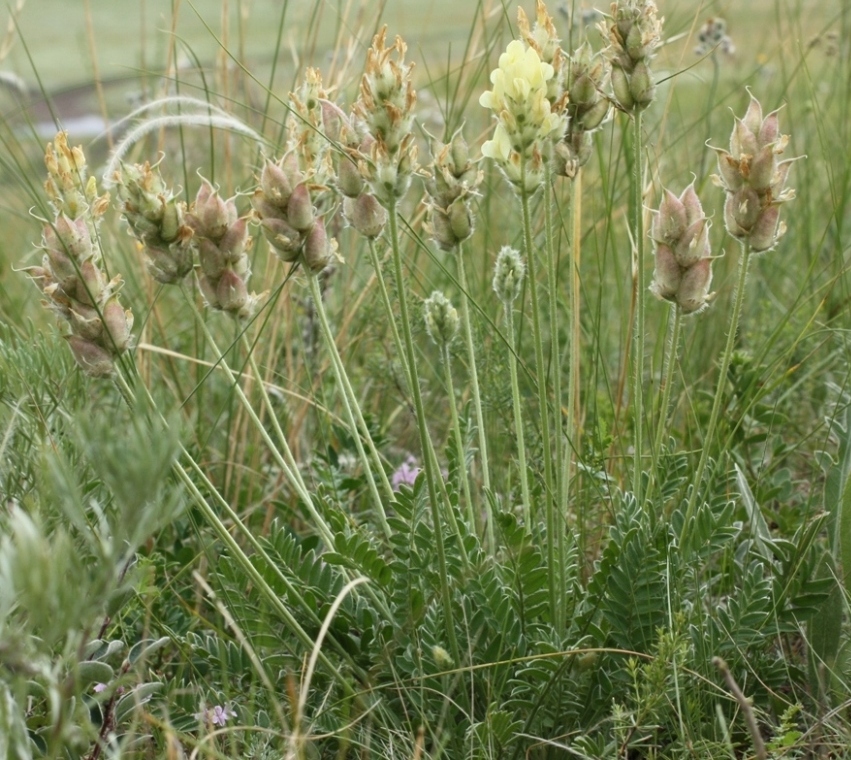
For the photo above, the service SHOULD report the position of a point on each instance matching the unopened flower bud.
(349, 179)
(317, 251)
(441, 319)
(118, 323)
(275, 185)
(92, 358)
(508, 275)
(231, 292)
(366, 215)
(300, 212)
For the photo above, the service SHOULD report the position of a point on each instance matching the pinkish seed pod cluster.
(683, 256)
(222, 238)
(754, 179)
(284, 205)
(450, 188)
(157, 220)
(86, 305)
(635, 34)
(360, 207)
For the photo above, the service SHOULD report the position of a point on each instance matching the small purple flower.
(406, 474)
(216, 716)
(99, 687)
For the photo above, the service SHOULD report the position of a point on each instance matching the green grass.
(212, 526)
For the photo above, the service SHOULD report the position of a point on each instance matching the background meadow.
(223, 549)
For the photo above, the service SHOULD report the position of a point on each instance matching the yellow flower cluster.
(525, 115)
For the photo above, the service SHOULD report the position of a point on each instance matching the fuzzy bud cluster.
(284, 204)
(222, 238)
(441, 319)
(386, 155)
(157, 220)
(450, 188)
(86, 304)
(683, 256)
(587, 109)
(635, 34)
(508, 275)
(525, 117)
(754, 179)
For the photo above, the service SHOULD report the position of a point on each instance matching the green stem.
(459, 439)
(638, 242)
(518, 416)
(671, 353)
(283, 457)
(540, 368)
(477, 396)
(429, 460)
(555, 361)
(744, 262)
(353, 412)
(571, 428)
(401, 353)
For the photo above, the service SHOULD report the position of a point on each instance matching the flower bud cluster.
(525, 116)
(587, 109)
(754, 179)
(284, 204)
(157, 220)
(222, 239)
(683, 255)
(508, 275)
(386, 155)
(441, 319)
(635, 34)
(450, 188)
(94, 323)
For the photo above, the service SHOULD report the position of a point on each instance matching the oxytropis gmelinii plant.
(683, 254)
(86, 305)
(755, 182)
(157, 220)
(635, 34)
(754, 179)
(293, 195)
(525, 116)
(222, 238)
(587, 109)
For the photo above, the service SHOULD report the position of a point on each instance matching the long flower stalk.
(739, 299)
(459, 438)
(541, 374)
(671, 356)
(641, 297)
(355, 417)
(401, 353)
(283, 456)
(477, 395)
(429, 461)
(518, 416)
